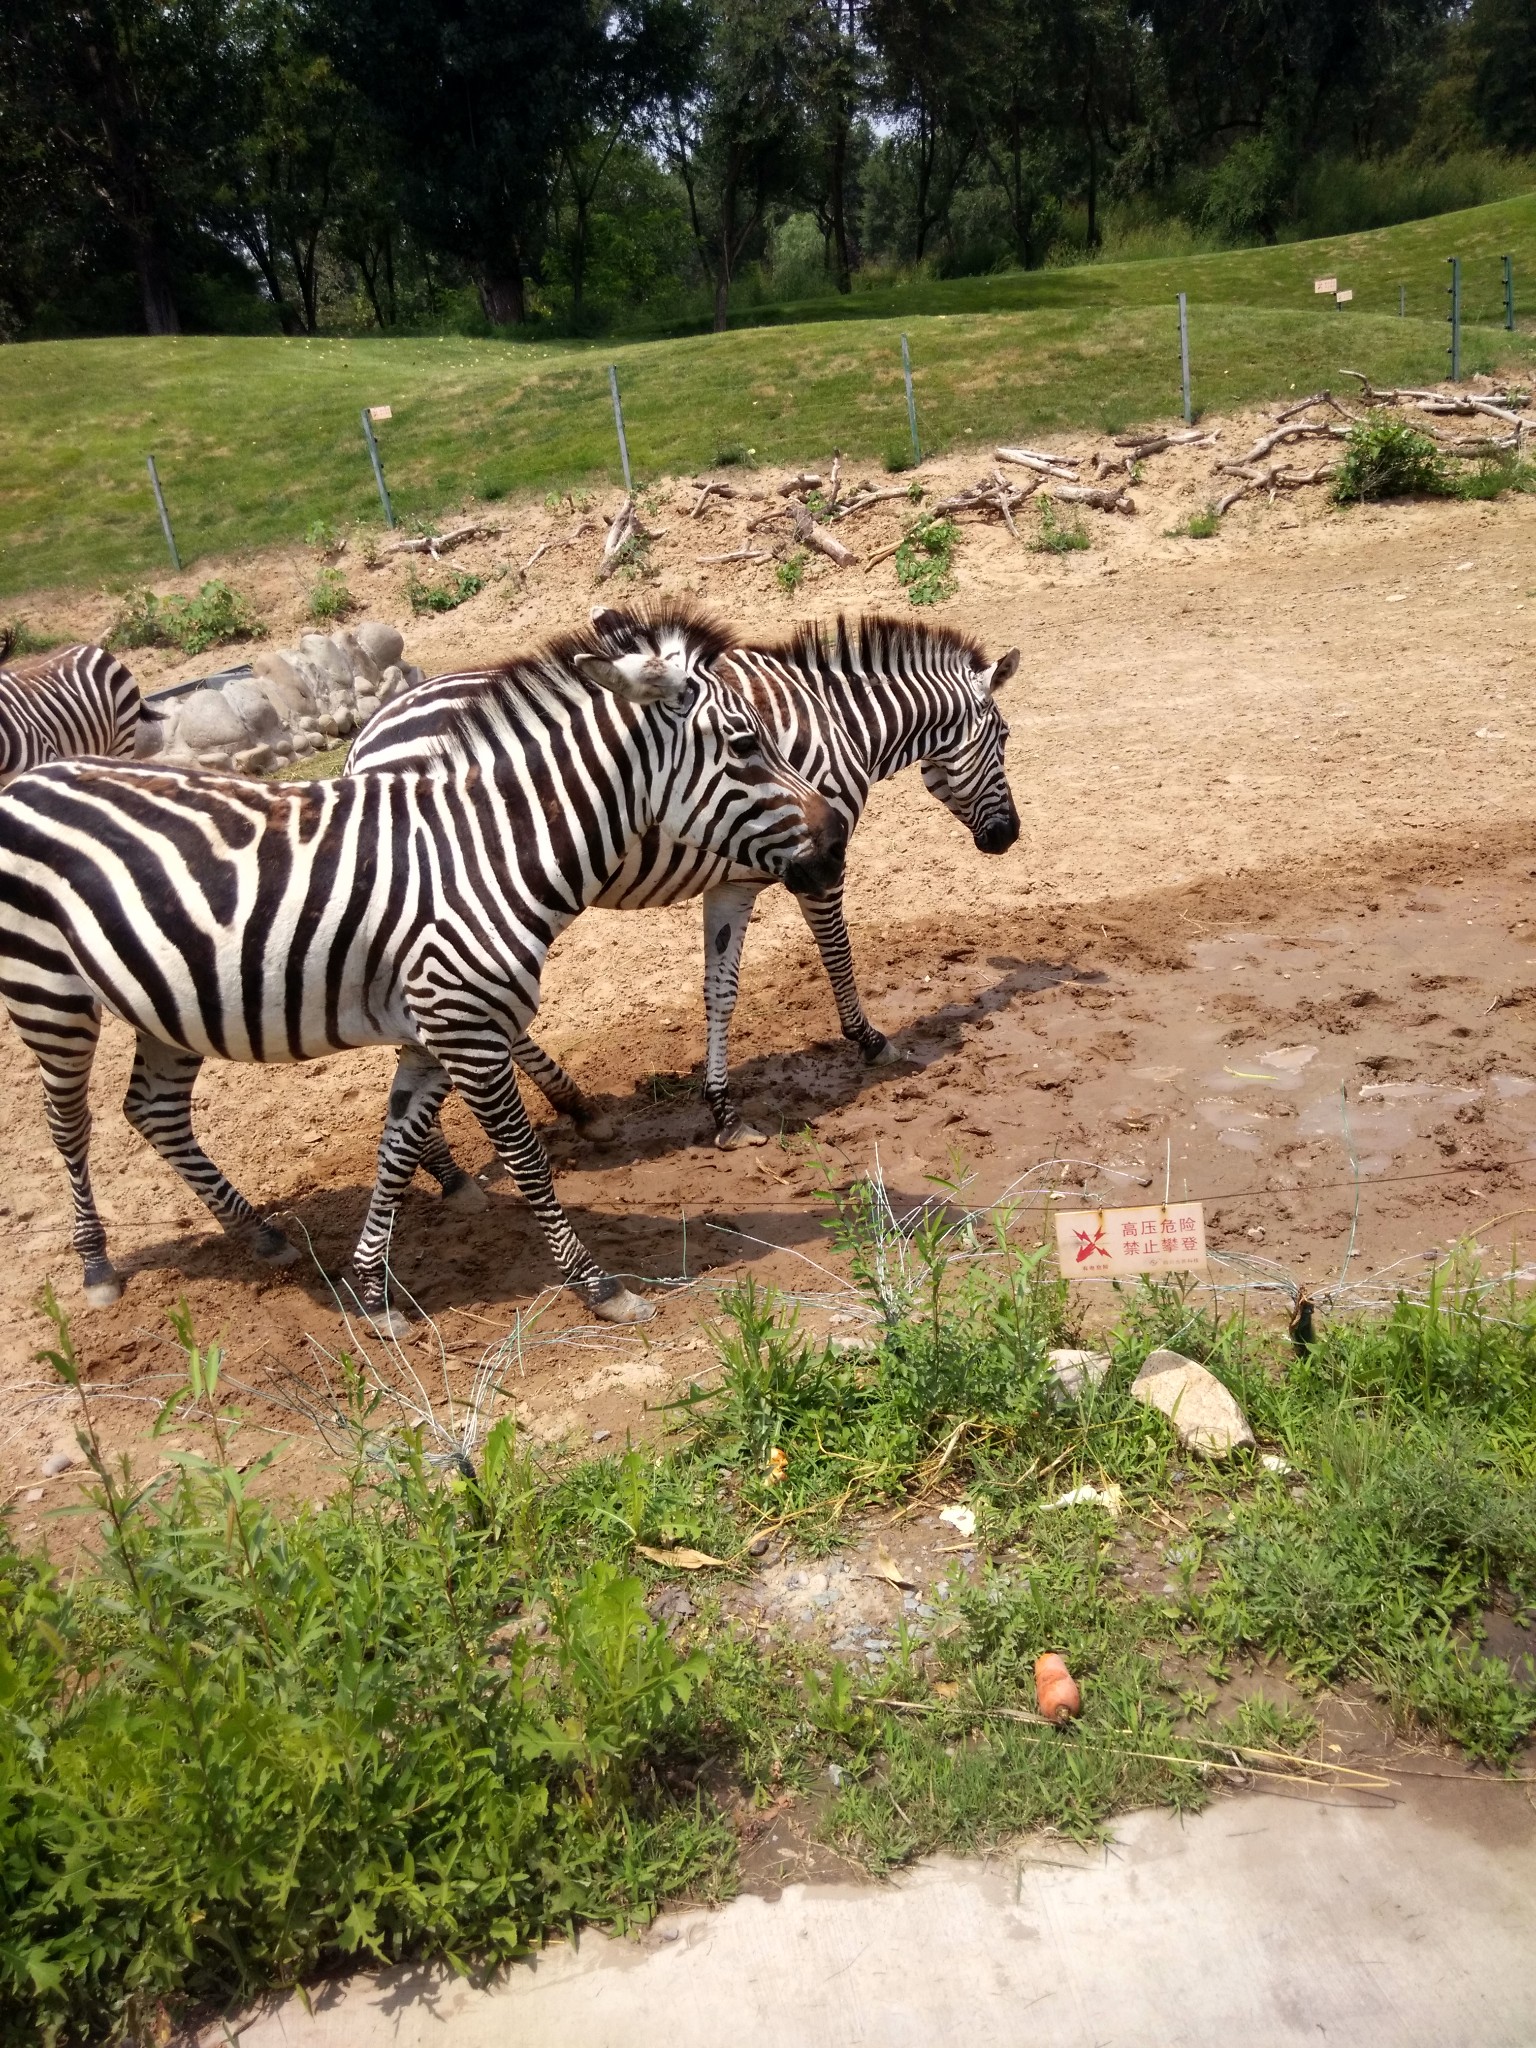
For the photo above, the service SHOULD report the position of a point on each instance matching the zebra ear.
(608, 622)
(1002, 670)
(637, 678)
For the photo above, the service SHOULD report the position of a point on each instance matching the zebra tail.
(7, 642)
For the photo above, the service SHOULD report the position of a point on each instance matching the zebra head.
(730, 789)
(964, 768)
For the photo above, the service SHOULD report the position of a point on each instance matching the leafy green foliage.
(897, 457)
(1057, 536)
(216, 616)
(330, 599)
(1202, 525)
(18, 639)
(925, 561)
(1385, 457)
(456, 588)
(790, 573)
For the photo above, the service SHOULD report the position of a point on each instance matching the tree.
(930, 79)
(1024, 119)
(831, 68)
(1502, 36)
(736, 141)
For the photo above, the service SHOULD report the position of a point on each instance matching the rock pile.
(289, 705)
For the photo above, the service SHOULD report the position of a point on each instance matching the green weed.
(1492, 479)
(215, 617)
(1202, 525)
(1058, 536)
(896, 457)
(1387, 458)
(19, 639)
(447, 596)
(925, 561)
(790, 573)
(330, 599)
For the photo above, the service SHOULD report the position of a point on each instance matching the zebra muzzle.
(820, 866)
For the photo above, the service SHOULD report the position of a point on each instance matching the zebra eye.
(744, 744)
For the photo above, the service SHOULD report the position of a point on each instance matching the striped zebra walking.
(278, 922)
(77, 700)
(849, 708)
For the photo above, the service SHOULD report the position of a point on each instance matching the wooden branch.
(625, 528)
(869, 498)
(1031, 458)
(1102, 497)
(1302, 431)
(835, 481)
(711, 490)
(543, 548)
(792, 486)
(1275, 479)
(434, 544)
(884, 555)
(1479, 450)
(740, 555)
(810, 535)
(1155, 444)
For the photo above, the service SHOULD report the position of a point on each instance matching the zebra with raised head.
(849, 708)
(281, 921)
(77, 700)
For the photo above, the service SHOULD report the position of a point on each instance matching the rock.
(344, 719)
(217, 761)
(254, 709)
(391, 682)
(1205, 1415)
(254, 760)
(150, 738)
(288, 688)
(367, 707)
(329, 726)
(414, 677)
(327, 657)
(304, 746)
(362, 664)
(1073, 1371)
(315, 679)
(207, 721)
(758, 1546)
(60, 1461)
(384, 644)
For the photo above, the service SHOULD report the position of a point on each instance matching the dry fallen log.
(992, 494)
(543, 548)
(738, 555)
(435, 544)
(1480, 450)
(1102, 497)
(623, 536)
(711, 490)
(1031, 458)
(1303, 430)
(1275, 479)
(869, 498)
(810, 535)
(1178, 437)
(834, 483)
(792, 486)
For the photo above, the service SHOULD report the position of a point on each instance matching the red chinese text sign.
(1108, 1244)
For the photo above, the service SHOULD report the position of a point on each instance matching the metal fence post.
(906, 371)
(618, 421)
(1455, 292)
(1509, 293)
(165, 517)
(1189, 415)
(378, 468)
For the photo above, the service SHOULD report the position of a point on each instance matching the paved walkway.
(1397, 1920)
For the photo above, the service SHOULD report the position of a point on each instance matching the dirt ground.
(1262, 939)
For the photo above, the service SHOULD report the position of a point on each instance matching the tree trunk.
(501, 294)
(153, 267)
(838, 198)
(722, 301)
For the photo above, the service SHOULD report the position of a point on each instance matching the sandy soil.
(1275, 792)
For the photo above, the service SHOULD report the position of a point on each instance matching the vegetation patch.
(455, 589)
(790, 573)
(1388, 458)
(330, 599)
(215, 617)
(1055, 535)
(925, 560)
(1202, 525)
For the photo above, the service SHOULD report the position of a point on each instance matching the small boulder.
(391, 682)
(366, 706)
(327, 657)
(254, 760)
(362, 664)
(150, 738)
(329, 726)
(1073, 1371)
(217, 762)
(286, 687)
(383, 644)
(208, 722)
(254, 709)
(414, 676)
(1205, 1415)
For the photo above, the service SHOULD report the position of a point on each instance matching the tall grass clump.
(1388, 458)
(239, 1746)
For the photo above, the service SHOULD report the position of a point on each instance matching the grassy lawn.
(258, 438)
(468, 1702)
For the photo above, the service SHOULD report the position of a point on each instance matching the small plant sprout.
(459, 586)
(329, 598)
(925, 560)
(1055, 535)
(790, 573)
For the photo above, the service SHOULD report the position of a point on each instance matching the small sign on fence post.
(370, 414)
(1108, 1244)
(1454, 289)
(906, 371)
(165, 517)
(1342, 298)
(1325, 287)
(1189, 415)
(618, 421)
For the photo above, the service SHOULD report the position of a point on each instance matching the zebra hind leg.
(824, 915)
(65, 1058)
(461, 1190)
(466, 1191)
(159, 1106)
(727, 913)
(416, 1095)
(484, 1074)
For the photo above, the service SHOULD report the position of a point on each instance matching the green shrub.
(18, 638)
(1202, 525)
(214, 617)
(1493, 478)
(330, 599)
(1057, 536)
(732, 455)
(1387, 458)
(461, 584)
(925, 560)
(897, 458)
(790, 573)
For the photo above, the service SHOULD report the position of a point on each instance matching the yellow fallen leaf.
(884, 1566)
(686, 1560)
(945, 1690)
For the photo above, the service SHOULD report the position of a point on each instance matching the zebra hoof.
(739, 1136)
(388, 1323)
(272, 1248)
(885, 1055)
(465, 1194)
(623, 1307)
(597, 1130)
(103, 1289)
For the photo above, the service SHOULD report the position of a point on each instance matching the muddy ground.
(1276, 875)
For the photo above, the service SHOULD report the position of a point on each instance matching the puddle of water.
(1508, 1086)
(1418, 1091)
(1289, 1059)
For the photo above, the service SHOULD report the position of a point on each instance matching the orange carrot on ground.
(1056, 1693)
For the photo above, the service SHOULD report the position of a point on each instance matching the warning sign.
(1344, 297)
(1108, 1244)
(1325, 284)
(381, 412)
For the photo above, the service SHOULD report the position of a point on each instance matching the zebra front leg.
(487, 1079)
(727, 913)
(824, 915)
(416, 1094)
(462, 1190)
(159, 1106)
(65, 1058)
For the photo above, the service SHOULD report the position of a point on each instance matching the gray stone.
(329, 726)
(414, 677)
(1073, 1371)
(207, 721)
(217, 762)
(384, 644)
(288, 688)
(303, 747)
(391, 682)
(60, 1461)
(364, 667)
(327, 657)
(1205, 1415)
(150, 738)
(254, 760)
(254, 709)
(367, 707)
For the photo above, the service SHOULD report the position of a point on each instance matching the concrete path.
(1397, 1920)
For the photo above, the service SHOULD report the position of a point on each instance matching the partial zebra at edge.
(74, 702)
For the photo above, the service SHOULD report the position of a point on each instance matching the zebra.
(848, 708)
(77, 700)
(220, 915)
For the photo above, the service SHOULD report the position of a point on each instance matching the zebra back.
(76, 700)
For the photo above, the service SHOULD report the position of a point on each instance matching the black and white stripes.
(77, 700)
(414, 907)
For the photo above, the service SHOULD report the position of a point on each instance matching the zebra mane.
(7, 642)
(875, 642)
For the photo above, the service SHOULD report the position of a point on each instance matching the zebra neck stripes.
(77, 700)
